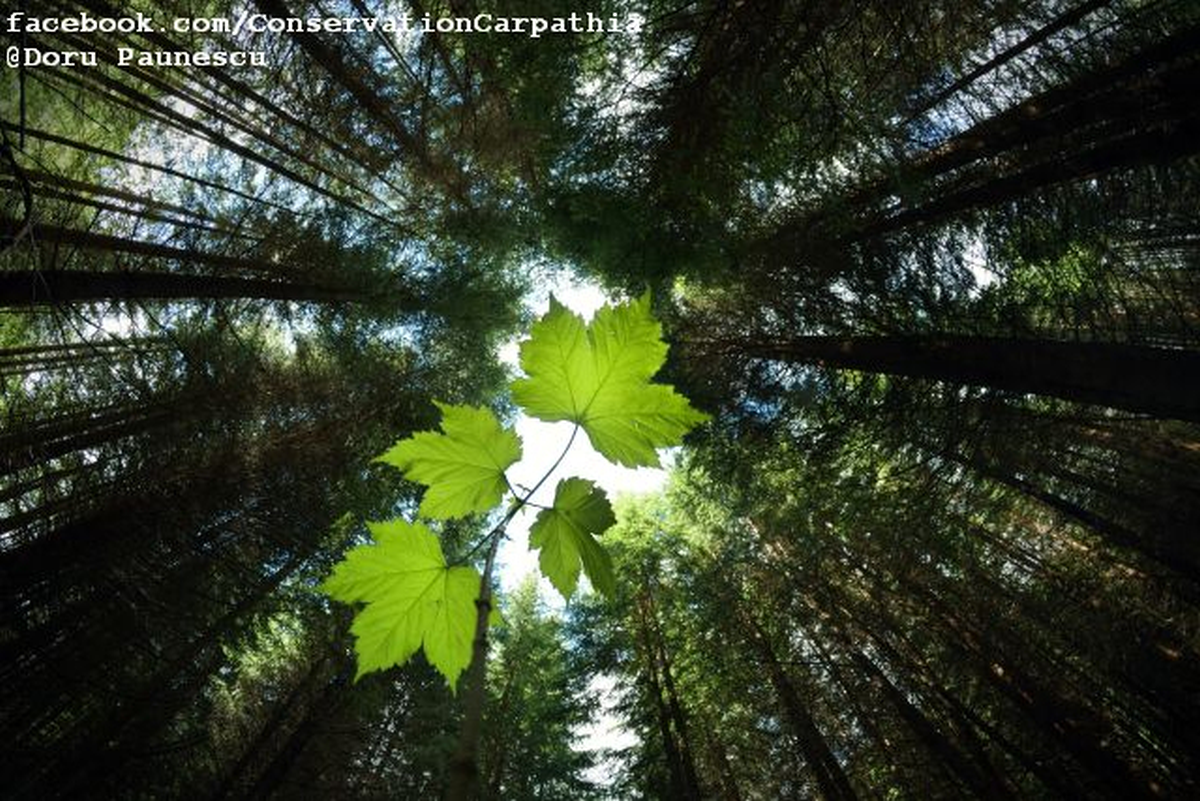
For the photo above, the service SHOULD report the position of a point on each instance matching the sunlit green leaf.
(413, 600)
(566, 533)
(598, 375)
(463, 466)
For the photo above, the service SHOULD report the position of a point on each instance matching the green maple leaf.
(566, 534)
(598, 375)
(413, 600)
(463, 467)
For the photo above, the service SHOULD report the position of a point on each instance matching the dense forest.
(930, 268)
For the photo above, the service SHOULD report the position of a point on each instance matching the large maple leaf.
(599, 375)
(413, 600)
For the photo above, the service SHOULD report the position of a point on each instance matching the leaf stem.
(553, 467)
(521, 502)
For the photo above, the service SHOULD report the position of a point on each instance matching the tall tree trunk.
(500, 742)
(679, 785)
(729, 783)
(85, 147)
(1085, 103)
(145, 105)
(368, 99)
(831, 779)
(268, 736)
(1138, 111)
(463, 770)
(47, 287)
(1036, 38)
(271, 778)
(973, 778)
(1159, 382)
(1079, 729)
(930, 678)
(675, 707)
(117, 244)
(1181, 555)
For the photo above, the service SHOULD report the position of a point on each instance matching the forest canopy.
(921, 279)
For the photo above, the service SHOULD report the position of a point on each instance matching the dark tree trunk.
(675, 707)
(84, 147)
(1053, 780)
(945, 751)
(1159, 382)
(1078, 729)
(1036, 38)
(48, 287)
(1180, 554)
(368, 99)
(463, 771)
(681, 776)
(117, 244)
(272, 778)
(821, 761)
(237, 776)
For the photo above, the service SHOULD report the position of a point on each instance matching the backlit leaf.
(598, 375)
(413, 600)
(566, 535)
(463, 466)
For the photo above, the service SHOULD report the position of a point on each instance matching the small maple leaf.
(463, 466)
(566, 535)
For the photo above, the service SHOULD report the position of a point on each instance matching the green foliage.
(539, 698)
(566, 534)
(463, 467)
(413, 600)
(596, 376)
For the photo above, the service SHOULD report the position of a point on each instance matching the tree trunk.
(675, 707)
(821, 761)
(117, 244)
(1039, 36)
(271, 778)
(370, 101)
(945, 751)
(1052, 779)
(1159, 382)
(678, 776)
(1080, 730)
(463, 770)
(1180, 554)
(84, 147)
(48, 287)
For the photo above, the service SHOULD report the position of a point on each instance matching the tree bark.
(138, 247)
(677, 775)
(48, 287)
(376, 106)
(821, 761)
(971, 775)
(1080, 730)
(1039, 36)
(1159, 382)
(463, 770)
(678, 718)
